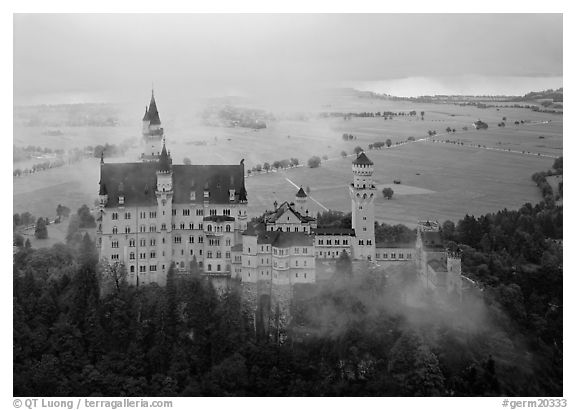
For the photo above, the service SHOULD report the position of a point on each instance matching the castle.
(154, 213)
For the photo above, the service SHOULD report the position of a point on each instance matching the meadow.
(439, 181)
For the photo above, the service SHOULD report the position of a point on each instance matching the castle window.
(142, 255)
(143, 215)
(364, 228)
(114, 230)
(177, 239)
(329, 242)
(152, 214)
(288, 229)
(218, 254)
(200, 239)
(115, 257)
(206, 194)
(392, 256)
(227, 255)
(173, 212)
(152, 268)
(296, 250)
(127, 215)
(295, 229)
(369, 242)
(209, 267)
(304, 229)
(120, 200)
(408, 256)
(400, 256)
(152, 242)
(213, 212)
(336, 241)
(163, 227)
(114, 216)
(182, 226)
(296, 274)
(227, 228)
(361, 242)
(209, 255)
(364, 218)
(114, 244)
(344, 241)
(190, 239)
(186, 212)
(173, 226)
(132, 243)
(142, 269)
(227, 242)
(152, 255)
(199, 212)
(191, 252)
(152, 228)
(304, 250)
(304, 265)
(142, 228)
(200, 252)
(296, 265)
(191, 226)
(320, 242)
(304, 275)
(193, 195)
(142, 242)
(127, 229)
(209, 228)
(131, 268)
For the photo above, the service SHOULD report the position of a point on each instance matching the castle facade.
(153, 213)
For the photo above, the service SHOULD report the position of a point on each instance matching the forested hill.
(79, 330)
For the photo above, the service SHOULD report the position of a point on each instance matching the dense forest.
(80, 330)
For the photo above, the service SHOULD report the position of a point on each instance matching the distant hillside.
(554, 95)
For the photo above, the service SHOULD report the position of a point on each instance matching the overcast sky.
(63, 58)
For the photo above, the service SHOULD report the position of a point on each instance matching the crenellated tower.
(152, 132)
(362, 193)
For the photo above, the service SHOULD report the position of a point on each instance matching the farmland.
(440, 181)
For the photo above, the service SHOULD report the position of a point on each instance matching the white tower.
(164, 196)
(362, 193)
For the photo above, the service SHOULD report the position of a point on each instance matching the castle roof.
(273, 216)
(153, 115)
(165, 161)
(362, 159)
(279, 239)
(334, 231)
(301, 193)
(439, 265)
(139, 183)
(146, 115)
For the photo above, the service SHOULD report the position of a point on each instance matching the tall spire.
(102, 157)
(153, 111)
(165, 161)
(146, 115)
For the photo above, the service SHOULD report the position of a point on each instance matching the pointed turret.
(301, 193)
(103, 190)
(153, 115)
(165, 162)
(362, 159)
(146, 115)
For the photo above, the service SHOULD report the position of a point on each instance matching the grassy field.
(453, 180)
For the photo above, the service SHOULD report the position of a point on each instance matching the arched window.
(209, 228)
(209, 267)
(227, 228)
(132, 269)
(218, 268)
(115, 230)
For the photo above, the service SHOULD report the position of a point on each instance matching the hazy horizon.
(117, 57)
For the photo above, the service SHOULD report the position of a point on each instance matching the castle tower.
(454, 277)
(302, 202)
(152, 132)
(164, 196)
(362, 193)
